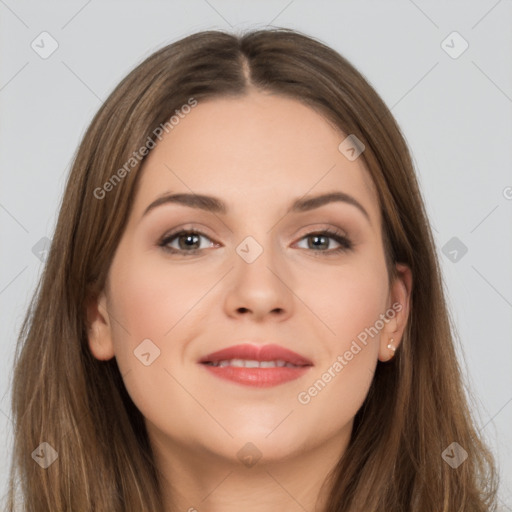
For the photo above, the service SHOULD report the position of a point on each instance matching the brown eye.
(187, 242)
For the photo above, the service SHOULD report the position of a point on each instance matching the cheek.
(153, 297)
(155, 308)
(334, 393)
(349, 300)
(345, 300)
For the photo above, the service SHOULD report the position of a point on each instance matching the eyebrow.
(215, 205)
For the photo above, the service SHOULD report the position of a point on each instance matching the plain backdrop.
(451, 94)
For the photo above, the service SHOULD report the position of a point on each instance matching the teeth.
(249, 363)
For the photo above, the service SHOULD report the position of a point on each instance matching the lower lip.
(257, 377)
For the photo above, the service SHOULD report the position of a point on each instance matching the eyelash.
(345, 243)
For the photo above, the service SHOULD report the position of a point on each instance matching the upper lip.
(257, 353)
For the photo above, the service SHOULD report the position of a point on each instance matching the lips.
(257, 353)
(257, 366)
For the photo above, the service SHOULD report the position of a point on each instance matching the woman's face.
(253, 270)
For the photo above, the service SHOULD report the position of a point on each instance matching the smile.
(256, 365)
(248, 363)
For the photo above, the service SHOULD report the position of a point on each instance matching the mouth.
(259, 366)
(251, 363)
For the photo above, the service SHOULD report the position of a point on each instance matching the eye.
(320, 240)
(188, 242)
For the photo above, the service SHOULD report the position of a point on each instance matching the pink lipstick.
(256, 365)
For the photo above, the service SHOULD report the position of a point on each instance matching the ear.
(399, 303)
(99, 328)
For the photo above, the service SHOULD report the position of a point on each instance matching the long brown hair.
(63, 396)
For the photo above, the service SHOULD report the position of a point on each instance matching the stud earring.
(390, 346)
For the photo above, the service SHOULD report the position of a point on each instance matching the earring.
(391, 347)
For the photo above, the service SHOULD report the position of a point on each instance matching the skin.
(257, 153)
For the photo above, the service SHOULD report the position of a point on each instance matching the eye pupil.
(319, 237)
(188, 238)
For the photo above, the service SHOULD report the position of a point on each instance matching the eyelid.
(319, 226)
(308, 230)
(193, 227)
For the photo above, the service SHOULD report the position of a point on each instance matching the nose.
(259, 289)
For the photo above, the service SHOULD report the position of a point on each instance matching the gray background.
(455, 114)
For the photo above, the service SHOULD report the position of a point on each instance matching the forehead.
(260, 149)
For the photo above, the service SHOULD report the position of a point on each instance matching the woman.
(242, 306)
